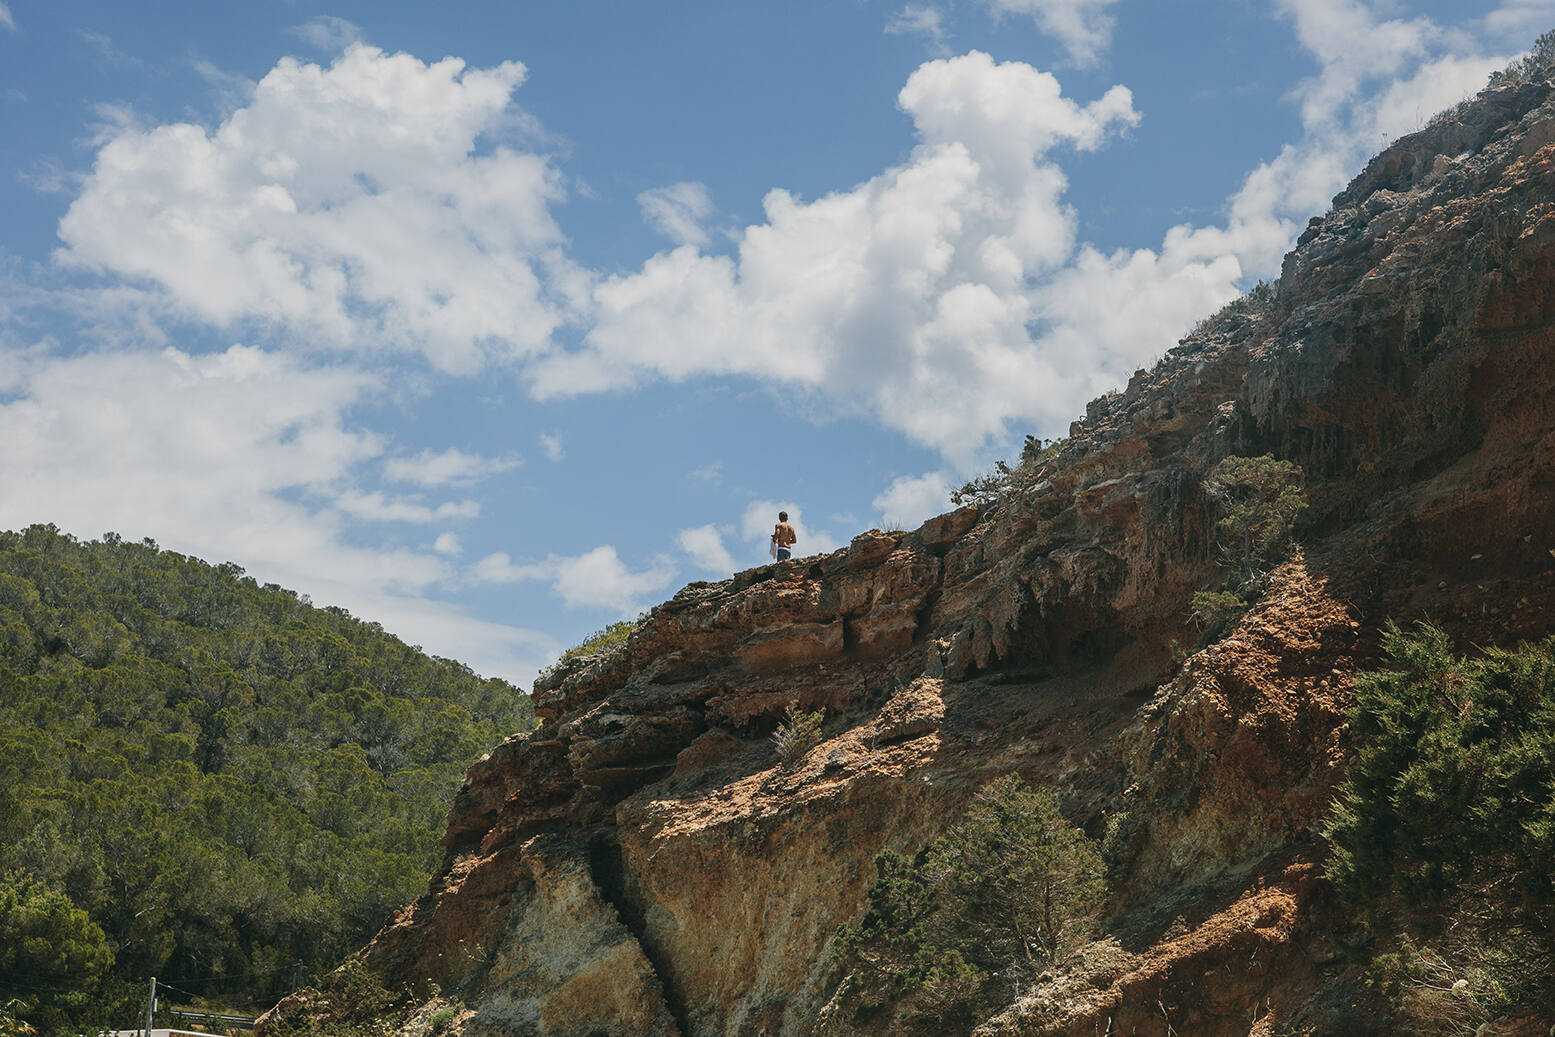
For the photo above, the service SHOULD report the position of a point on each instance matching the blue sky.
(498, 324)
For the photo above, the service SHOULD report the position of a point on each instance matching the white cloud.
(924, 20)
(551, 443)
(6, 21)
(596, 579)
(444, 468)
(911, 500)
(354, 205)
(230, 456)
(328, 33)
(448, 544)
(1354, 45)
(1518, 18)
(705, 546)
(907, 297)
(1083, 26)
(678, 211)
(377, 507)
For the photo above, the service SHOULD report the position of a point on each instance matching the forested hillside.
(226, 779)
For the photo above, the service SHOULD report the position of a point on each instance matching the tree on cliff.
(1444, 829)
(1006, 890)
(1257, 500)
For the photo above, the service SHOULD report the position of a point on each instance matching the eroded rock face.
(643, 862)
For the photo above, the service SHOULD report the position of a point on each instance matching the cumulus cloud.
(551, 443)
(357, 205)
(679, 211)
(912, 500)
(240, 455)
(906, 297)
(597, 579)
(448, 544)
(443, 468)
(705, 546)
(6, 21)
(1083, 26)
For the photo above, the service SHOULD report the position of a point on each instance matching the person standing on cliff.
(783, 538)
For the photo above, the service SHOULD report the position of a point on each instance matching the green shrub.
(599, 641)
(1213, 611)
(1258, 499)
(1445, 825)
(797, 734)
(1536, 64)
(1007, 890)
(352, 1001)
(991, 486)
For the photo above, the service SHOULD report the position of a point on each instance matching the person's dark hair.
(782, 516)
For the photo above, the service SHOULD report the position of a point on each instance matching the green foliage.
(1446, 822)
(994, 485)
(1438, 995)
(797, 734)
(352, 1001)
(1533, 66)
(1007, 890)
(1213, 611)
(54, 962)
(1259, 499)
(599, 641)
(226, 779)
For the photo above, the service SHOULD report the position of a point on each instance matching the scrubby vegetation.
(599, 641)
(991, 486)
(799, 732)
(1257, 299)
(1443, 837)
(1537, 64)
(1001, 897)
(350, 1002)
(1257, 500)
(221, 779)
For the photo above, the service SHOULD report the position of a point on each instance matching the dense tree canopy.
(224, 779)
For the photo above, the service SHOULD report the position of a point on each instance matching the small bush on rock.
(797, 734)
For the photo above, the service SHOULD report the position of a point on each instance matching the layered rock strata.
(644, 863)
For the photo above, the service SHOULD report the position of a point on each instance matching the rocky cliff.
(643, 862)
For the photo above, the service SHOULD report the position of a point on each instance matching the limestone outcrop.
(643, 862)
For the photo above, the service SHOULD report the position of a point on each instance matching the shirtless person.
(783, 536)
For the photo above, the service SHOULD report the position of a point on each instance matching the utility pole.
(151, 1005)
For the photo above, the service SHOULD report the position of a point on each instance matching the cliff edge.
(644, 863)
